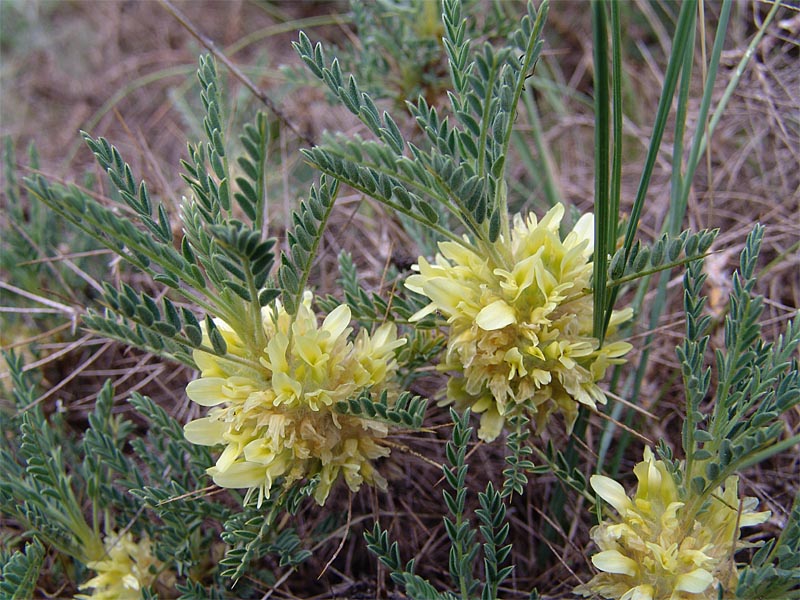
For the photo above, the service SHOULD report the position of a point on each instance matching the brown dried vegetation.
(123, 70)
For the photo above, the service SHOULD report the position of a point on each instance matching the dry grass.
(64, 61)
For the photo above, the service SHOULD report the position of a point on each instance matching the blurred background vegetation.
(124, 70)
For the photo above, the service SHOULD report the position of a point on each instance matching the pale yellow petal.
(640, 592)
(259, 451)
(385, 339)
(337, 321)
(620, 316)
(327, 476)
(749, 519)
(308, 348)
(496, 315)
(582, 232)
(206, 391)
(208, 364)
(694, 582)
(617, 349)
(482, 404)
(240, 475)
(228, 457)
(514, 359)
(423, 312)
(491, 425)
(286, 388)
(521, 278)
(611, 491)
(447, 294)
(130, 582)
(206, 432)
(416, 282)
(553, 218)
(612, 561)
(276, 351)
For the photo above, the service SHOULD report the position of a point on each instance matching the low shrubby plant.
(516, 317)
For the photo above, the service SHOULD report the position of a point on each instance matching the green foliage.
(141, 249)
(758, 381)
(233, 254)
(21, 571)
(163, 477)
(423, 348)
(562, 467)
(173, 452)
(774, 572)
(388, 554)
(193, 590)
(222, 264)
(35, 485)
(252, 533)
(32, 259)
(667, 252)
(494, 530)
(464, 548)
(309, 225)
(211, 97)
(103, 445)
(446, 179)
(399, 51)
(407, 410)
(182, 511)
(518, 460)
(692, 356)
(50, 495)
(402, 60)
(136, 319)
(250, 196)
(606, 217)
(683, 30)
(144, 249)
(133, 194)
(461, 175)
(370, 308)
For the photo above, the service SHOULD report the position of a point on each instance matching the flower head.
(276, 418)
(654, 551)
(520, 322)
(124, 571)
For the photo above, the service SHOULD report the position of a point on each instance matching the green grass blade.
(616, 107)
(699, 141)
(685, 27)
(602, 139)
(681, 55)
(675, 212)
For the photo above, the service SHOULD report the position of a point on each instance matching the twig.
(62, 308)
(75, 372)
(344, 537)
(219, 55)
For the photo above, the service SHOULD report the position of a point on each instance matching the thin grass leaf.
(683, 31)
(603, 246)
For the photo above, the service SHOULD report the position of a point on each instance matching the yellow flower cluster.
(520, 322)
(274, 411)
(124, 571)
(655, 552)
